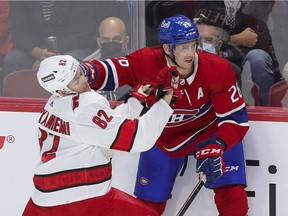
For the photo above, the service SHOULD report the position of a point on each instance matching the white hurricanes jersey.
(77, 137)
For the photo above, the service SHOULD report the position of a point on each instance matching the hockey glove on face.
(167, 79)
(209, 160)
(85, 70)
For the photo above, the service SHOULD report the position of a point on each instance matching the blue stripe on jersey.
(110, 84)
(240, 116)
(182, 116)
(96, 73)
(191, 139)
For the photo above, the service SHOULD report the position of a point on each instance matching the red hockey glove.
(168, 78)
(144, 92)
(209, 160)
(85, 70)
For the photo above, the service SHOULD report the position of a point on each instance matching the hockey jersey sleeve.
(139, 66)
(229, 106)
(103, 75)
(99, 125)
(131, 109)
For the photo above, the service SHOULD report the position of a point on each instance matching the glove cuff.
(221, 143)
(210, 148)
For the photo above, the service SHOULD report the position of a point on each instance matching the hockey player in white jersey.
(78, 133)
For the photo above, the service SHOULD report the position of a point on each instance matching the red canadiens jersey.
(78, 135)
(211, 102)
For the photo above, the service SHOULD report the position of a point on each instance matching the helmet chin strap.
(171, 55)
(72, 92)
(67, 91)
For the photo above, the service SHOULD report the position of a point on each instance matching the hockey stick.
(192, 195)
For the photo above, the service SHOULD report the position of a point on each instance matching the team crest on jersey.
(143, 181)
(182, 117)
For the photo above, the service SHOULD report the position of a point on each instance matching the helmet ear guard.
(56, 72)
(171, 50)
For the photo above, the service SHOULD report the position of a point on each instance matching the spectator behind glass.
(250, 42)
(112, 41)
(211, 40)
(5, 34)
(33, 21)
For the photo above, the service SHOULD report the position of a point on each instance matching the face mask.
(209, 47)
(111, 50)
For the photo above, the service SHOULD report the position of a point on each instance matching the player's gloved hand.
(88, 70)
(209, 160)
(167, 79)
(144, 92)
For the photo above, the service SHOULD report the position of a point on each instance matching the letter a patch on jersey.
(200, 93)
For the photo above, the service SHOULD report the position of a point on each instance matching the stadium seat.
(276, 93)
(23, 83)
(251, 93)
(255, 93)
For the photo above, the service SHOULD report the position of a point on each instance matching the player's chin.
(86, 88)
(187, 65)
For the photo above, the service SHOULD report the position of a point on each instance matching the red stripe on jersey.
(126, 135)
(2, 140)
(73, 178)
(97, 74)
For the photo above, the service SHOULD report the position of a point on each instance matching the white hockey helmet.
(56, 72)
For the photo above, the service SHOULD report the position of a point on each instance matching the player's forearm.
(131, 109)
(232, 134)
(96, 75)
(151, 125)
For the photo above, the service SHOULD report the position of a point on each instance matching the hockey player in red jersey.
(209, 120)
(78, 133)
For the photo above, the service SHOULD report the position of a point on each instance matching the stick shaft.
(191, 197)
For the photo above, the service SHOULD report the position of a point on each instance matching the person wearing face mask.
(211, 40)
(112, 42)
(249, 40)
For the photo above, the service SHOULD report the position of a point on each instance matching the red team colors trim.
(73, 178)
(126, 135)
